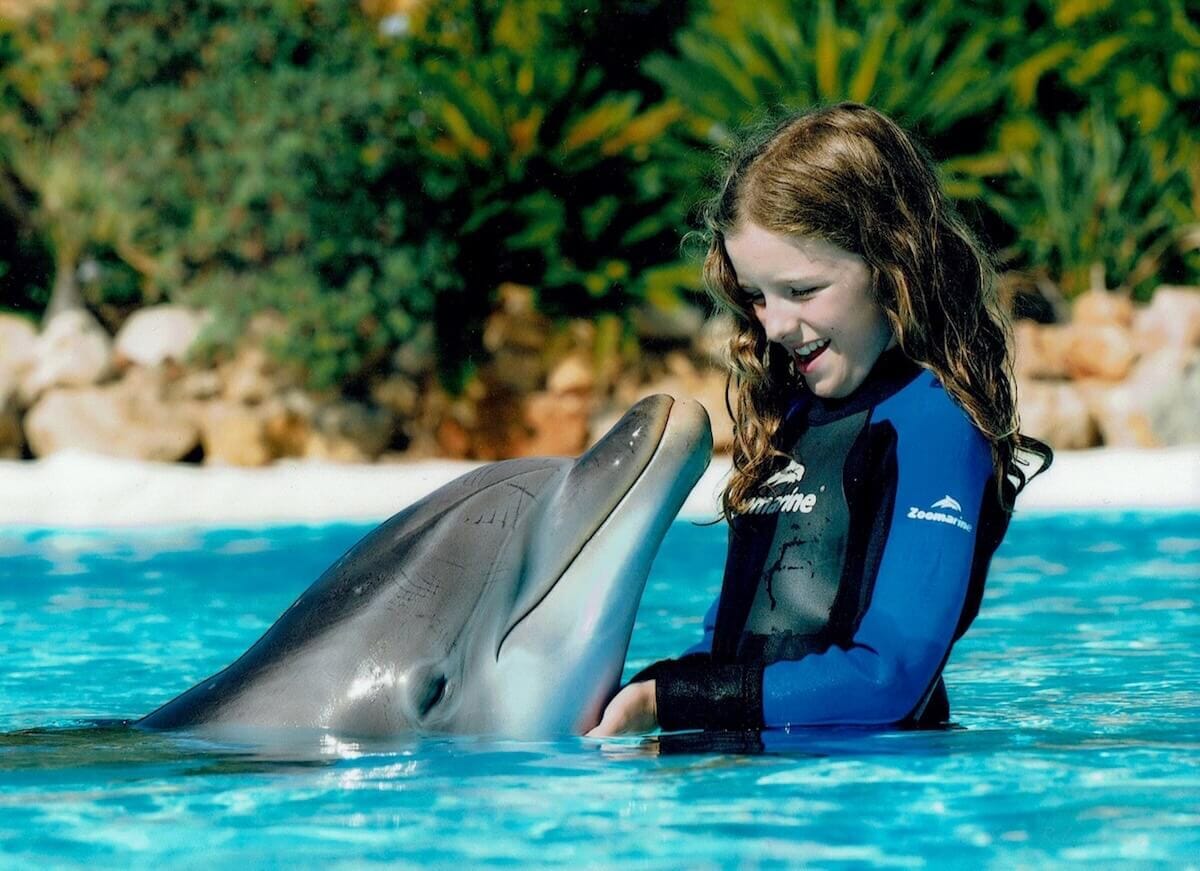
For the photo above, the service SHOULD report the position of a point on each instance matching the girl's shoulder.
(925, 414)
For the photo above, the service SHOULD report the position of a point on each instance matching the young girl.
(876, 443)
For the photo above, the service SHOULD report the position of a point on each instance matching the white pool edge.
(78, 490)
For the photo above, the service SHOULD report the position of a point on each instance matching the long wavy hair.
(850, 175)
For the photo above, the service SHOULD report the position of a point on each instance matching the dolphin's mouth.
(605, 475)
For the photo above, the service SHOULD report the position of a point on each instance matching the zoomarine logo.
(949, 503)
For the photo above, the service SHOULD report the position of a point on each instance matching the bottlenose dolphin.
(500, 604)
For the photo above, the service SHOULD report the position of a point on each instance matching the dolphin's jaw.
(561, 662)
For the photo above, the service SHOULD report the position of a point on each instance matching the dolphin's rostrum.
(500, 604)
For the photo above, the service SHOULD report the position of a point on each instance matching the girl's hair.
(850, 175)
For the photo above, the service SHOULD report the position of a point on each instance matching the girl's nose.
(776, 321)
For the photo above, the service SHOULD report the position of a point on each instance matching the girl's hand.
(632, 711)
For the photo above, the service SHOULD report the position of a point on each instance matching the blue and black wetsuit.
(854, 570)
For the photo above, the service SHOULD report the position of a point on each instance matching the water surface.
(1076, 697)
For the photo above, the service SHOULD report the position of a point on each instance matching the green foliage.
(986, 85)
(1084, 188)
(930, 65)
(283, 154)
(244, 155)
(538, 165)
(1091, 206)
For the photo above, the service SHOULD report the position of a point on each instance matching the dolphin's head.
(503, 603)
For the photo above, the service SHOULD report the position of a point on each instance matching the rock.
(417, 356)
(1156, 406)
(399, 395)
(233, 435)
(287, 424)
(679, 322)
(516, 323)
(1040, 351)
(516, 335)
(1099, 351)
(1102, 308)
(1119, 415)
(198, 384)
(351, 432)
(1056, 413)
(18, 340)
(453, 439)
(72, 351)
(248, 377)
(557, 423)
(157, 334)
(1174, 409)
(125, 419)
(1172, 319)
(12, 436)
(573, 375)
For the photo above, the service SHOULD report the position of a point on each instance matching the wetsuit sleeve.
(905, 633)
(698, 652)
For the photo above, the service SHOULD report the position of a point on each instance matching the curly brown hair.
(850, 175)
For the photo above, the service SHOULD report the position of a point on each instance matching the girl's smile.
(814, 299)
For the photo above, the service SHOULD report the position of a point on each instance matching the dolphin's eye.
(435, 690)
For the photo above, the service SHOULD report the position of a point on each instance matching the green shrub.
(242, 155)
(929, 65)
(537, 163)
(1093, 206)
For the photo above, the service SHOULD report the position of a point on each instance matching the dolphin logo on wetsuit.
(500, 604)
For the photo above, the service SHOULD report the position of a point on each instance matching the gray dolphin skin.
(501, 604)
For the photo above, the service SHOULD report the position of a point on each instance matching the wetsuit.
(853, 571)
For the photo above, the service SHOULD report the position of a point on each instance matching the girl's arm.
(904, 637)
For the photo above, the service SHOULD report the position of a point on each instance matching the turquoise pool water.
(1076, 693)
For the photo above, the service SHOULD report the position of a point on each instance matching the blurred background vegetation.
(369, 169)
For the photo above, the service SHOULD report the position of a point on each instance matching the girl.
(875, 454)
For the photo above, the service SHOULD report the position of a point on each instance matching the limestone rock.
(72, 351)
(398, 394)
(1103, 351)
(198, 384)
(1041, 350)
(1158, 404)
(1102, 308)
(233, 434)
(573, 375)
(351, 432)
(417, 356)
(516, 335)
(124, 419)
(18, 339)
(157, 334)
(558, 425)
(1172, 319)
(1120, 416)
(248, 377)
(1056, 413)
(12, 436)
(673, 323)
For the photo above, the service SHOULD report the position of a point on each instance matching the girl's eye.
(803, 291)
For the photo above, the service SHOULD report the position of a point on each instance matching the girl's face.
(814, 299)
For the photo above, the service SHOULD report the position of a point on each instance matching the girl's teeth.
(811, 348)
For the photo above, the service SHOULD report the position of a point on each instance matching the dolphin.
(501, 604)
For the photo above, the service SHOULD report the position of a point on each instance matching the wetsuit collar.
(892, 371)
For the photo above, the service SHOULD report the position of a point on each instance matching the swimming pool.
(1077, 693)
